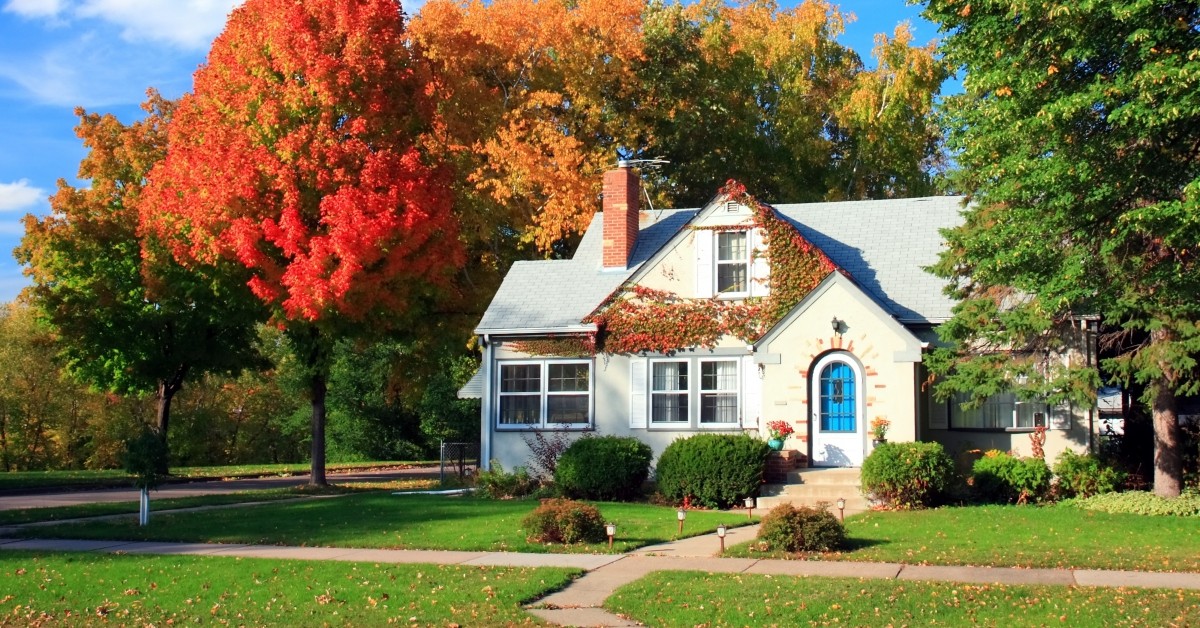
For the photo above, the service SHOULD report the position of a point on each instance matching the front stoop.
(807, 487)
(780, 463)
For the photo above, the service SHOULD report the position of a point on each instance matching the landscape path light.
(681, 514)
(611, 530)
(750, 507)
(721, 530)
(841, 504)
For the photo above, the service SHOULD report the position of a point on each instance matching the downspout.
(1085, 328)
(485, 443)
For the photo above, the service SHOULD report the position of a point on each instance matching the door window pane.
(838, 403)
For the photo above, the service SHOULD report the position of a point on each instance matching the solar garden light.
(681, 514)
(721, 530)
(749, 507)
(611, 530)
(841, 504)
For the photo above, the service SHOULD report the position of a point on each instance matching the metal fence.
(461, 459)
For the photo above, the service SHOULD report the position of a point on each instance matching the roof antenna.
(657, 162)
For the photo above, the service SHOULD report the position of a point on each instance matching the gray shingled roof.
(551, 295)
(883, 245)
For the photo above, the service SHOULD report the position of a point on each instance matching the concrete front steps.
(807, 487)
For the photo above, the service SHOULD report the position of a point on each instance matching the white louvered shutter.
(751, 393)
(760, 268)
(702, 241)
(637, 393)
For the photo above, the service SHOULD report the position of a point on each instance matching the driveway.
(215, 487)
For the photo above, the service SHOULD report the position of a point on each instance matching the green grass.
(18, 480)
(383, 520)
(1019, 536)
(695, 599)
(86, 588)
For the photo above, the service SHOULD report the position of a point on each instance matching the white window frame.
(955, 413)
(747, 264)
(544, 394)
(694, 394)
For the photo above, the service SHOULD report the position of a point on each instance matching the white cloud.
(189, 24)
(20, 195)
(34, 8)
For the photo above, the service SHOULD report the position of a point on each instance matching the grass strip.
(19, 480)
(383, 520)
(695, 599)
(1055, 536)
(87, 588)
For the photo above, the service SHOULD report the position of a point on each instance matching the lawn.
(383, 520)
(1021, 536)
(695, 599)
(20, 480)
(87, 588)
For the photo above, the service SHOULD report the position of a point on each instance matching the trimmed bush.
(499, 484)
(603, 467)
(907, 476)
(1142, 503)
(801, 529)
(1085, 475)
(564, 521)
(1000, 477)
(714, 470)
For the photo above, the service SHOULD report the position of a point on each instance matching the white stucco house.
(847, 349)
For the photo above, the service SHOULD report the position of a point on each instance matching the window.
(544, 394)
(674, 394)
(1003, 411)
(733, 262)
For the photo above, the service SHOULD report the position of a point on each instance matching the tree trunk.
(166, 392)
(317, 477)
(1168, 463)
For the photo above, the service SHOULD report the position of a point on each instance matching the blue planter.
(776, 444)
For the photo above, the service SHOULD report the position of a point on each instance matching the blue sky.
(103, 54)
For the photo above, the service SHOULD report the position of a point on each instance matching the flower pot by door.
(776, 444)
(878, 441)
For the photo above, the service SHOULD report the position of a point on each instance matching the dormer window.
(733, 262)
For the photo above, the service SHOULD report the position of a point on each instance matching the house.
(667, 323)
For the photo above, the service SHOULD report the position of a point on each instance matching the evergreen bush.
(564, 521)
(714, 470)
(907, 476)
(1085, 475)
(1000, 477)
(801, 529)
(604, 467)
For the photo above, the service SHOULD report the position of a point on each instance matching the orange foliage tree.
(297, 156)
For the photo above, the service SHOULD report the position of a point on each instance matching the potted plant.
(879, 429)
(778, 430)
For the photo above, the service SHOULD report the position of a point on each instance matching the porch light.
(841, 505)
(681, 514)
(837, 325)
(611, 530)
(749, 507)
(721, 530)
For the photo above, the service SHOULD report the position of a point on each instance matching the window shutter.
(760, 268)
(751, 393)
(637, 393)
(702, 241)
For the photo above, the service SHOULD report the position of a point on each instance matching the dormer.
(730, 253)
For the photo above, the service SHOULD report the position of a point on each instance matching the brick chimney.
(622, 202)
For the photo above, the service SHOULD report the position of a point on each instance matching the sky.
(102, 55)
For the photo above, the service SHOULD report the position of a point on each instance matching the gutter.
(537, 331)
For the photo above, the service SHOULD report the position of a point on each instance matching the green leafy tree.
(1076, 140)
(127, 318)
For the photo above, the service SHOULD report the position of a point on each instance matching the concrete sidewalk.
(581, 603)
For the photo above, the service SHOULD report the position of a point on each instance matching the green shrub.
(1000, 477)
(714, 470)
(801, 529)
(907, 475)
(564, 521)
(1142, 503)
(499, 484)
(1085, 475)
(604, 467)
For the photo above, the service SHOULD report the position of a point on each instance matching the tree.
(127, 318)
(1076, 139)
(296, 156)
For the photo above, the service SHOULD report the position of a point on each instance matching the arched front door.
(837, 402)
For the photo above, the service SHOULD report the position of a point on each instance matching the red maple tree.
(297, 157)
